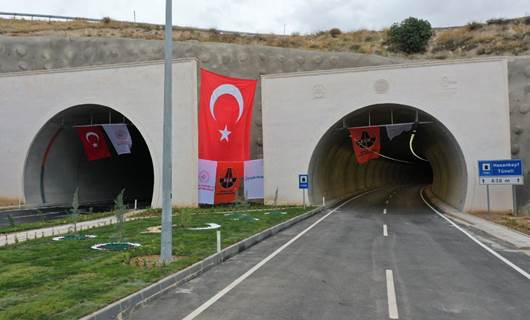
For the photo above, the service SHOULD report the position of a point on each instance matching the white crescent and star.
(234, 91)
(92, 134)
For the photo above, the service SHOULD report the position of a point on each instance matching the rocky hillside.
(494, 37)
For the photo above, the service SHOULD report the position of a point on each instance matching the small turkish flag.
(228, 179)
(366, 143)
(94, 143)
(225, 115)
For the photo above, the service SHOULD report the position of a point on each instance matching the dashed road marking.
(384, 211)
(391, 295)
(385, 230)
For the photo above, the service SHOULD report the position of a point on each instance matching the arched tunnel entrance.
(56, 163)
(433, 157)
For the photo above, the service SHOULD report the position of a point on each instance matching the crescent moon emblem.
(90, 134)
(230, 90)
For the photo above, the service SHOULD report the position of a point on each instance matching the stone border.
(123, 307)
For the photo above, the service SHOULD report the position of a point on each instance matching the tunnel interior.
(56, 163)
(433, 158)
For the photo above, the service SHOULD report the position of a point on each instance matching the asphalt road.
(349, 267)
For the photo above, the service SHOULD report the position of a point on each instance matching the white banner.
(119, 136)
(254, 179)
(394, 130)
(207, 174)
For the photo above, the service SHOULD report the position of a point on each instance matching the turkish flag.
(225, 115)
(228, 179)
(366, 143)
(94, 142)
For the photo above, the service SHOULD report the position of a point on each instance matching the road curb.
(122, 308)
(510, 236)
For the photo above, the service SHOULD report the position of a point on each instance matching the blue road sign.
(501, 171)
(303, 181)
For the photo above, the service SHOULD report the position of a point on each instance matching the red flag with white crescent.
(94, 142)
(225, 115)
(228, 180)
(366, 143)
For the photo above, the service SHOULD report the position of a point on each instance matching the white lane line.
(385, 230)
(485, 247)
(391, 295)
(236, 282)
(384, 211)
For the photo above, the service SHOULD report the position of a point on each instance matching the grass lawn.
(45, 279)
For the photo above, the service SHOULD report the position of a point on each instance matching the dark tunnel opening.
(56, 163)
(427, 154)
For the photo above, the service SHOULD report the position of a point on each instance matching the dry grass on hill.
(496, 37)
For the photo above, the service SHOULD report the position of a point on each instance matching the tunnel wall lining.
(298, 109)
(30, 99)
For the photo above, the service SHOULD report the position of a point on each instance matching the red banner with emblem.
(228, 179)
(366, 143)
(225, 115)
(94, 142)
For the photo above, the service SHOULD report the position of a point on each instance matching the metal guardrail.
(67, 18)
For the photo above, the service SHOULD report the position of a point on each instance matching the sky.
(272, 16)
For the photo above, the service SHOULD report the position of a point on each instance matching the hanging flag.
(366, 143)
(207, 178)
(394, 130)
(94, 142)
(228, 179)
(119, 136)
(253, 185)
(225, 114)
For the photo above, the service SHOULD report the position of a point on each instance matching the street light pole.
(167, 225)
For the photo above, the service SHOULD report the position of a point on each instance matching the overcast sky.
(271, 15)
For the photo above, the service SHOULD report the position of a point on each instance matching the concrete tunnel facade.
(466, 102)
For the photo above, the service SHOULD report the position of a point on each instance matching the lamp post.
(167, 225)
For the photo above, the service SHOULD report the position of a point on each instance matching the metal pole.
(488, 196)
(303, 197)
(218, 240)
(166, 236)
(514, 193)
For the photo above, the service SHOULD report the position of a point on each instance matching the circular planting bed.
(209, 226)
(74, 237)
(275, 213)
(115, 246)
(241, 217)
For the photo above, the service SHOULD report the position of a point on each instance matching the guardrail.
(67, 18)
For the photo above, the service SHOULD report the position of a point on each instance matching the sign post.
(501, 172)
(303, 184)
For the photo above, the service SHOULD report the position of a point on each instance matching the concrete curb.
(123, 307)
(513, 237)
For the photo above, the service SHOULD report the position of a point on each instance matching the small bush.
(472, 26)
(498, 21)
(184, 218)
(106, 20)
(526, 20)
(335, 32)
(409, 36)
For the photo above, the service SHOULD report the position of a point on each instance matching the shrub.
(474, 26)
(526, 20)
(335, 32)
(409, 36)
(106, 20)
(499, 21)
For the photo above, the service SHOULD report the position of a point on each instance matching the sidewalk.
(21, 236)
(513, 237)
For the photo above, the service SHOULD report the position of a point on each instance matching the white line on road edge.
(384, 211)
(485, 247)
(391, 295)
(236, 282)
(385, 230)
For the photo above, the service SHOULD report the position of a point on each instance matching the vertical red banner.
(228, 179)
(94, 143)
(225, 115)
(366, 143)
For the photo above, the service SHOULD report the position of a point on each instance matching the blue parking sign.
(303, 181)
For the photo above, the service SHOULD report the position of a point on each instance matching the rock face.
(41, 53)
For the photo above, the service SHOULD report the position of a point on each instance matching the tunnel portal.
(56, 164)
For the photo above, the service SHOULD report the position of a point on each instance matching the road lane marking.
(386, 202)
(384, 211)
(391, 295)
(385, 230)
(247, 274)
(485, 247)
